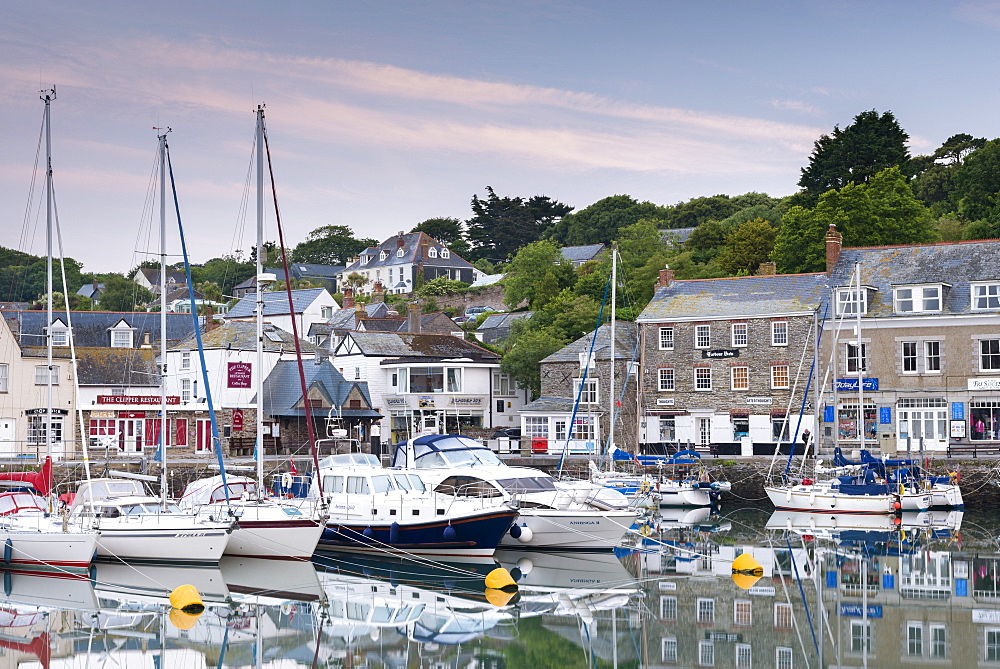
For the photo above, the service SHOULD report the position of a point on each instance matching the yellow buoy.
(186, 598)
(182, 620)
(746, 571)
(499, 579)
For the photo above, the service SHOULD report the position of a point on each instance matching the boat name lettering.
(583, 522)
(191, 534)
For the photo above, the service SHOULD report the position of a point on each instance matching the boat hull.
(162, 543)
(813, 498)
(266, 535)
(46, 552)
(555, 529)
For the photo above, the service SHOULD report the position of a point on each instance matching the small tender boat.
(265, 527)
(657, 484)
(553, 514)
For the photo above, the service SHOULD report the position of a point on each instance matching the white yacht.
(552, 514)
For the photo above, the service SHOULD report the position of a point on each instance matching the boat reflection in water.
(925, 590)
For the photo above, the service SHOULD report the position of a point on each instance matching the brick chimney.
(666, 277)
(413, 318)
(348, 298)
(378, 295)
(399, 240)
(767, 269)
(834, 241)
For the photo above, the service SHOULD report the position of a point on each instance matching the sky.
(382, 114)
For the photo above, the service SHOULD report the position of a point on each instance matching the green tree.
(570, 314)
(501, 226)
(747, 246)
(706, 241)
(854, 155)
(883, 211)
(121, 294)
(977, 184)
(600, 222)
(442, 286)
(524, 349)
(448, 231)
(330, 245)
(529, 268)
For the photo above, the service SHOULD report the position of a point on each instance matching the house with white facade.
(309, 305)
(403, 262)
(149, 278)
(416, 378)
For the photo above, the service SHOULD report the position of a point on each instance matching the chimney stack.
(348, 298)
(834, 242)
(378, 295)
(413, 318)
(666, 277)
(767, 269)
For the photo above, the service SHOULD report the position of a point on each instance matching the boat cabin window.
(20, 501)
(479, 456)
(467, 486)
(531, 484)
(236, 491)
(357, 485)
(333, 484)
(110, 512)
(382, 484)
(356, 611)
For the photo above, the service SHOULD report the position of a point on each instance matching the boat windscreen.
(531, 484)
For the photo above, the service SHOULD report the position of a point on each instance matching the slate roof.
(275, 303)
(626, 348)
(346, 319)
(546, 404)
(416, 346)
(504, 320)
(953, 263)
(681, 234)
(412, 243)
(177, 294)
(242, 336)
(282, 389)
(90, 328)
(383, 324)
(581, 254)
(130, 367)
(737, 297)
(153, 276)
(88, 289)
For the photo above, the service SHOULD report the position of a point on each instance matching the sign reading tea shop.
(238, 374)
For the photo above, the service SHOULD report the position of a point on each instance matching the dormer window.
(122, 335)
(383, 255)
(917, 299)
(365, 259)
(586, 360)
(60, 334)
(399, 252)
(445, 253)
(851, 301)
(432, 252)
(986, 296)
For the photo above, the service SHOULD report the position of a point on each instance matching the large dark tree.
(502, 225)
(600, 222)
(874, 142)
(22, 276)
(448, 231)
(330, 245)
(977, 187)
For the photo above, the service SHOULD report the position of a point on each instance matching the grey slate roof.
(681, 234)
(90, 328)
(503, 320)
(429, 346)
(737, 297)
(581, 254)
(626, 344)
(546, 404)
(88, 289)
(411, 243)
(242, 336)
(346, 319)
(282, 389)
(275, 303)
(953, 263)
(129, 367)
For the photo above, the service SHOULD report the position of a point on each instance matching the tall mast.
(861, 359)
(613, 400)
(163, 316)
(259, 312)
(48, 96)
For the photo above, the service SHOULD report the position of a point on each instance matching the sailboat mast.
(259, 312)
(163, 316)
(861, 359)
(613, 399)
(48, 96)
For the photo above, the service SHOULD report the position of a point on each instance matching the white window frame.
(445, 253)
(587, 360)
(779, 333)
(668, 650)
(705, 610)
(742, 374)
(668, 608)
(783, 658)
(985, 296)
(920, 298)
(666, 380)
(744, 656)
(383, 255)
(666, 342)
(536, 427)
(60, 335)
(591, 392)
(914, 638)
(703, 379)
(932, 360)
(706, 653)
(432, 252)
(702, 336)
(861, 643)
(852, 365)
(783, 611)
(186, 360)
(4, 377)
(847, 301)
(399, 252)
(503, 385)
(186, 390)
(742, 612)
(739, 335)
(995, 646)
(122, 337)
(909, 357)
(775, 379)
(42, 375)
(938, 641)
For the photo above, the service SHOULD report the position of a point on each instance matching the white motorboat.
(265, 527)
(553, 514)
(134, 526)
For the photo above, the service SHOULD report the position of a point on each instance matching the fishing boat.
(553, 514)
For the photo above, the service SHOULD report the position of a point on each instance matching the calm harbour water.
(923, 593)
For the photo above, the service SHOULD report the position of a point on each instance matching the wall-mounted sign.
(988, 383)
(848, 385)
(465, 401)
(664, 401)
(42, 412)
(425, 402)
(131, 414)
(721, 353)
(958, 410)
(395, 401)
(885, 415)
(238, 374)
(237, 419)
(855, 611)
(958, 429)
(136, 399)
(760, 400)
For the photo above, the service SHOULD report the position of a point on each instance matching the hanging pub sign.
(722, 353)
(238, 374)
(237, 419)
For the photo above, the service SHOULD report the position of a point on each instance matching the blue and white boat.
(658, 483)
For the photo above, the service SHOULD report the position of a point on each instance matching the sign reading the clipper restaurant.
(721, 353)
(136, 399)
(238, 374)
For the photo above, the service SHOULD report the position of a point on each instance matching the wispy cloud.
(796, 106)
